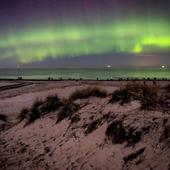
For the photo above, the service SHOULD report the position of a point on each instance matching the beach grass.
(87, 92)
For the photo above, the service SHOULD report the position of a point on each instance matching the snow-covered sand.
(73, 145)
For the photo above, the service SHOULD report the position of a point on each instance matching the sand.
(45, 144)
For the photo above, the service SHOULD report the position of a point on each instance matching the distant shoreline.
(81, 79)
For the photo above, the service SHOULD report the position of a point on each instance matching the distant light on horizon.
(109, 66)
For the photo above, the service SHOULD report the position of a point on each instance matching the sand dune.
(87, 138)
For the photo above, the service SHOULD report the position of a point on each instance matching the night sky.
(82, 33)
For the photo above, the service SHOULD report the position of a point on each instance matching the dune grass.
(67, 110)
(131, 91)
(39, 108)
(34, 112)
(118, 134)
(146, 94)
(89, 128)
(22, 115)
(3, 117)
(75, 118)
(51, 104)
(87, 92)
(69, 107)
(115, 132)
(167, 88)
(150, 98)
(122, 96)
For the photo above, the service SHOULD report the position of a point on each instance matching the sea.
(85, 73)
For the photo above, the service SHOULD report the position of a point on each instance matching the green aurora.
(127, 36)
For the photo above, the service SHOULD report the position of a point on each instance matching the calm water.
(84, 73)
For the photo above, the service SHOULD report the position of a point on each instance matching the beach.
(100, 132)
